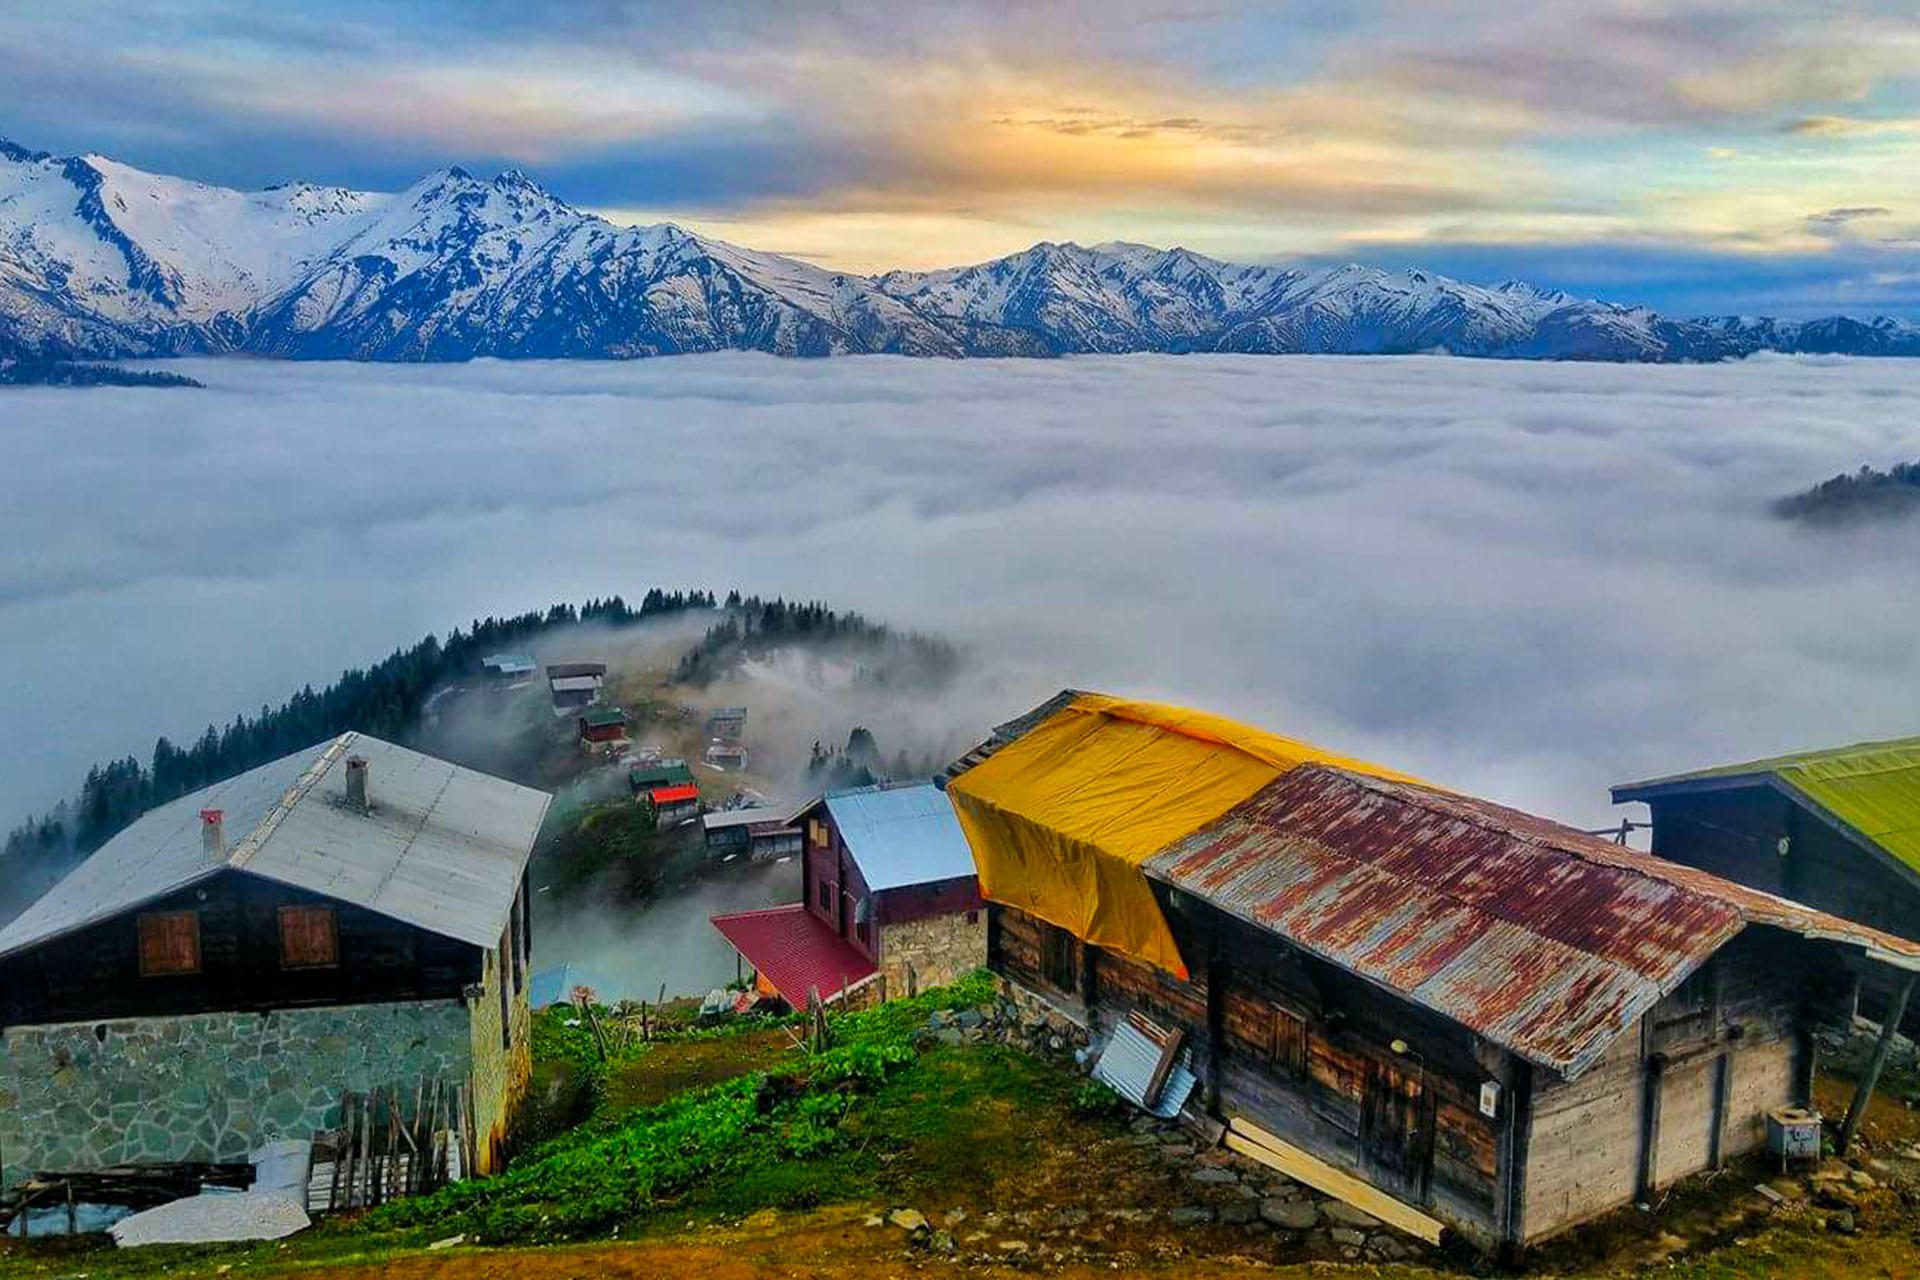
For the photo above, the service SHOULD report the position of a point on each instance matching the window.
(1056, 957)
(973, 917)
(826, 896)
(309, 938)
(169, 943)
(1289, 1049)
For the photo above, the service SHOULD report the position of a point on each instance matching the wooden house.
(1460, 1015)
(1838, 829)
(602, 725)
(888, 890)
(727, 724)
(764, 835)
(508, 670)
(351, 916)
(573, 686)
(664, 782)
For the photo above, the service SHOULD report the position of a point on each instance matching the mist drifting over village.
(1523, 580)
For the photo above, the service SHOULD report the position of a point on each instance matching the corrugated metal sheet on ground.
(1126, 1066)
(1872, 787)
(1543, 939)
(901, 835)
(792, 949)
(442, 847)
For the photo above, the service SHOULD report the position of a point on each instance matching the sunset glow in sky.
(1695, 157)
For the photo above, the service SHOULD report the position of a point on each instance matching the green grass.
(614, 1168)
(949, 1125)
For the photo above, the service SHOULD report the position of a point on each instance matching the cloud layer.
(1525, 580)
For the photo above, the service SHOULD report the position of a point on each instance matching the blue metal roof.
(901, 834)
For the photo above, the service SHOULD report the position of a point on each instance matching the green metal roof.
(599, 717)
(1872, 787)
(671, 775)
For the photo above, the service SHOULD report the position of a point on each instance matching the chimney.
(213, 834)
(357, 783)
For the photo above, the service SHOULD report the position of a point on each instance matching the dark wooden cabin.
(1837, 829)
(1504, 1026)
(354, 884)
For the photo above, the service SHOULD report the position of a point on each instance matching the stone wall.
(208, 1087)
(501, 1069)
(941, 949)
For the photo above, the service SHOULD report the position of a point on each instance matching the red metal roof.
(1538, 937)
(673, 795)
(794, 950)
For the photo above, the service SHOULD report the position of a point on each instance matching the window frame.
(333, 933)
(147, 919)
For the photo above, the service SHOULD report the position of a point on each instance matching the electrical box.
(1490, 1099)
(1793, 1134)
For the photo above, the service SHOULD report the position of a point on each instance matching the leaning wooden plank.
(1163, 1067)
(1254, 1142)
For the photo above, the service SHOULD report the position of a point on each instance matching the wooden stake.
(362, 1171)
(1857, 1109)
(339, 1156)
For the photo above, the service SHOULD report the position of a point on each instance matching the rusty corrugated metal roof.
(1538, 937)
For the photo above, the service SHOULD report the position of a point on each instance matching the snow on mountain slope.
(457, 266)
(101, 259)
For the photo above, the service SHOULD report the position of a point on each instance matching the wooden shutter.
(169, 943)
(309, 938)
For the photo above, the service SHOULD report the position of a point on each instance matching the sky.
(1696, 157)
(1526, 581)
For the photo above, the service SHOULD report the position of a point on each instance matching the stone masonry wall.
(941, 949)
(207, 1087)
(500, 1070)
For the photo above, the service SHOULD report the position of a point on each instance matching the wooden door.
(1396, 1131)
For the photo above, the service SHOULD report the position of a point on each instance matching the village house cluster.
(1457, 1016)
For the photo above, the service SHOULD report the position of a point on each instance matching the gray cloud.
(1523, 580)
(1837, 217)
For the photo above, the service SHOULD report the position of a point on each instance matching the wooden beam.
(1216, 1019)
(1722, 1104)
(1857, 1109)
(1256, 1143)
(1653, 1076)
(1517, 1135)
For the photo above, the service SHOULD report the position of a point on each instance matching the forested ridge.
(1868, 493)
(384, 699)
(387, 698)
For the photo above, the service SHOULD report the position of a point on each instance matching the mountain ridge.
(99, 259)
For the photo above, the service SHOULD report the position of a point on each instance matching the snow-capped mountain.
(100, 259)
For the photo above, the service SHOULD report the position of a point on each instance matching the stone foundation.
(1027, 1020)
(208, 1087)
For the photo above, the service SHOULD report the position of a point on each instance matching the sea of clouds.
(1522, 580)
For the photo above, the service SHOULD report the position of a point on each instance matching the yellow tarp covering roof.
(1061, 818)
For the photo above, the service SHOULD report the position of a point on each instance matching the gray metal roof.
(442, 848)
(763, 816)
(901, 834)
